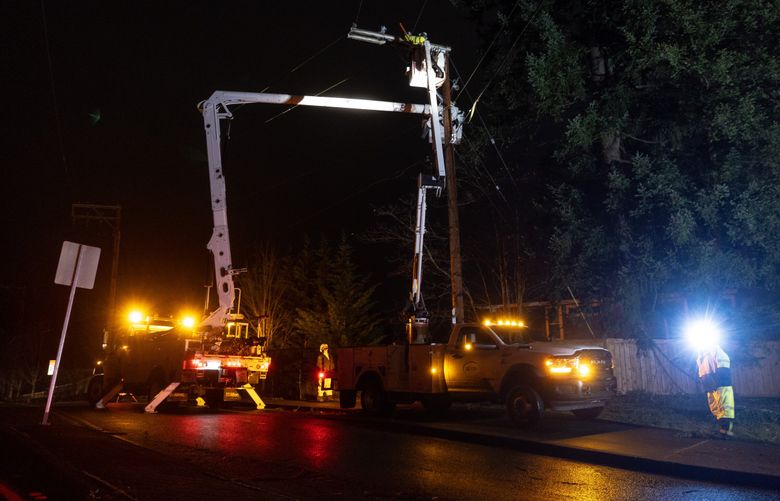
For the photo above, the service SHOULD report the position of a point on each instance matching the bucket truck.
(209, 363)
(499, 361)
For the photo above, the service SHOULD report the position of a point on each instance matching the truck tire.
(374, 400)
(347, 399)
(591, 413)
(525, 406)
(95, 390)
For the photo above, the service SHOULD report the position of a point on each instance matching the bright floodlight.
(702, 333)
(136, 317)
(188, 322)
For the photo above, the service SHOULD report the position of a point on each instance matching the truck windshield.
(518, 335)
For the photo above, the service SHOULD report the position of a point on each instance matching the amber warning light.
(504, 322)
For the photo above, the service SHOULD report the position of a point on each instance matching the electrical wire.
(419, 15)
(357, 14)
(489, 175)
(297, 105)
(55, 102)
(336, 164)
(304, 62)
(489, 134)
(354, 193)
(297, 67)
(579, 308)
(506, 57)
(487, 51)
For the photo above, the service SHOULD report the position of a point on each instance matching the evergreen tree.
(340, 309)
(264, 290)
(661, 134)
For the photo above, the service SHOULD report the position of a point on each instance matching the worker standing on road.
(325, 381)
(715, 375)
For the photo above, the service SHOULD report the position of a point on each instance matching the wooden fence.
(667, 367)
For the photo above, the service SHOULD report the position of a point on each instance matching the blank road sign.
(89, 257)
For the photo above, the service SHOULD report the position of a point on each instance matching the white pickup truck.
(499, 362)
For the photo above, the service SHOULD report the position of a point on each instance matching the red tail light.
(322, 375)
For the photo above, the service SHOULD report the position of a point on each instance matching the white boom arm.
(217, 108)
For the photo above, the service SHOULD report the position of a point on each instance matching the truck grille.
(600, 362)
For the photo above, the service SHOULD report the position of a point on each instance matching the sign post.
(77, 268)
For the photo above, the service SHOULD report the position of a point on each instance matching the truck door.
(467, 365)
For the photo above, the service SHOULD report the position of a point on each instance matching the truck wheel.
(95, 390)
(437, 405)
(525, 406)
(374, 401)
(591, 413)
(347, 399)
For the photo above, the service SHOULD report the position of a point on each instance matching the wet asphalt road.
(281, 454)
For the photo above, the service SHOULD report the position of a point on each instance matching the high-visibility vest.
(714, 368)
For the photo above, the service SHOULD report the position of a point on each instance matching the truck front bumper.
(573, 394)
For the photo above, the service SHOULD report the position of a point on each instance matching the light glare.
(702, 333)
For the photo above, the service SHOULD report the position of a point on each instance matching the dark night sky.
(143, 67)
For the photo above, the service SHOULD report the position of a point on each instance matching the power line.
(340, 38)
(489, 134)
(357, 14)
(342, 162)
(305, 61)
(53, 88)
(354, 193)
(419, 15)
(487, 51)
(317, 94)
(506, 57)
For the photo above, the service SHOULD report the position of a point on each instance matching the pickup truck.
(502, 362)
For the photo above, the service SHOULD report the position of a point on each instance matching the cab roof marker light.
(504, 322)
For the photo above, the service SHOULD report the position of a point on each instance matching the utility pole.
(456, 269)
(111, 215)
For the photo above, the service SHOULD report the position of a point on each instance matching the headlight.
(562, 365)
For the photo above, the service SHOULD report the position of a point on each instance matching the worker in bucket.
(714, 369)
